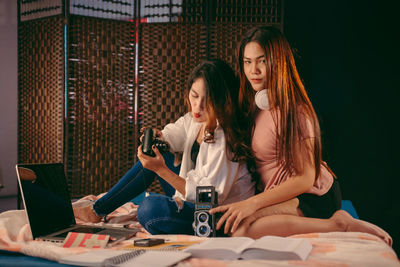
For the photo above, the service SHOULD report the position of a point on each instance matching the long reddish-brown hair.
(288, 99)
(222, 89)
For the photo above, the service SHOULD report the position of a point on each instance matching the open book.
(267, 247)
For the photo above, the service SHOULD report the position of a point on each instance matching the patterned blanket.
(329, 249)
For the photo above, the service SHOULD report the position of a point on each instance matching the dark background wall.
(348, 58)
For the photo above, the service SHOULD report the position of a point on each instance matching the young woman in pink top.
(301, 193)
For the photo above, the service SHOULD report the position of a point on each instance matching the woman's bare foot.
(86, 214)
(348, 224)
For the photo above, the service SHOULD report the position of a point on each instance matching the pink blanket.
(329, 249)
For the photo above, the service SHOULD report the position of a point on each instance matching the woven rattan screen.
(40, 90)
(100, 128)
(89, 120)
(168, 53)
(247, 11)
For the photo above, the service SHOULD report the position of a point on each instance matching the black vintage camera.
(204, 222)
(149, 141)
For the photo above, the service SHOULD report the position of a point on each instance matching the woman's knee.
(152, 207)
(146, 208)
(241, 231)
(289, 207)
(160, 214)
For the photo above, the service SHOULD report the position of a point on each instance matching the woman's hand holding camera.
(154, 164)
(158, 133)
(234, 214)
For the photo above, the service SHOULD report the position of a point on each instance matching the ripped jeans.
(132, 184)
(160, 214)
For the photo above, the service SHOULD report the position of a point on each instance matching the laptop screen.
(46, 198)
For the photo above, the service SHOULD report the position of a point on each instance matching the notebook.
(122, 258)
(48, 205)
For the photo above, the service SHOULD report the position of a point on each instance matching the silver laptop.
(48, 205)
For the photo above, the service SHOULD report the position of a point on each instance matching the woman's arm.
(157, 165)
(176, 133)
(289, 189)
(292, 187)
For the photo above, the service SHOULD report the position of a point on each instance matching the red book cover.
(86, 240)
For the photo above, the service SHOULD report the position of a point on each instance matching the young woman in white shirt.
(213, 154)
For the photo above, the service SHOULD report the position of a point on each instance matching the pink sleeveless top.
(264, 145)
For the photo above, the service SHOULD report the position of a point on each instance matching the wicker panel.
(233, 18)
(225, 38)
(160, 11)
(194, 11)
(40, 90)
(35, 9)
(243, 11)
(100, 128)
(168, 54)
(101, 133)
(248, 11)
(107, 9)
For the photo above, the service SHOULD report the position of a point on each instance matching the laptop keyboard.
(87, 230)
(81, 230)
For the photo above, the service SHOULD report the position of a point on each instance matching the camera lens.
(203, 217)
(203, 230)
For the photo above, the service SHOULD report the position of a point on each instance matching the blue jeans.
(158, 214)
(133, 183)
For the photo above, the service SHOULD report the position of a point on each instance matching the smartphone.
(148, 242)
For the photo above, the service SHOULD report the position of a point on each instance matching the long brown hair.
(288, 99)
(222, 89)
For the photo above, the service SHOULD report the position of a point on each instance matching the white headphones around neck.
(261, 99)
